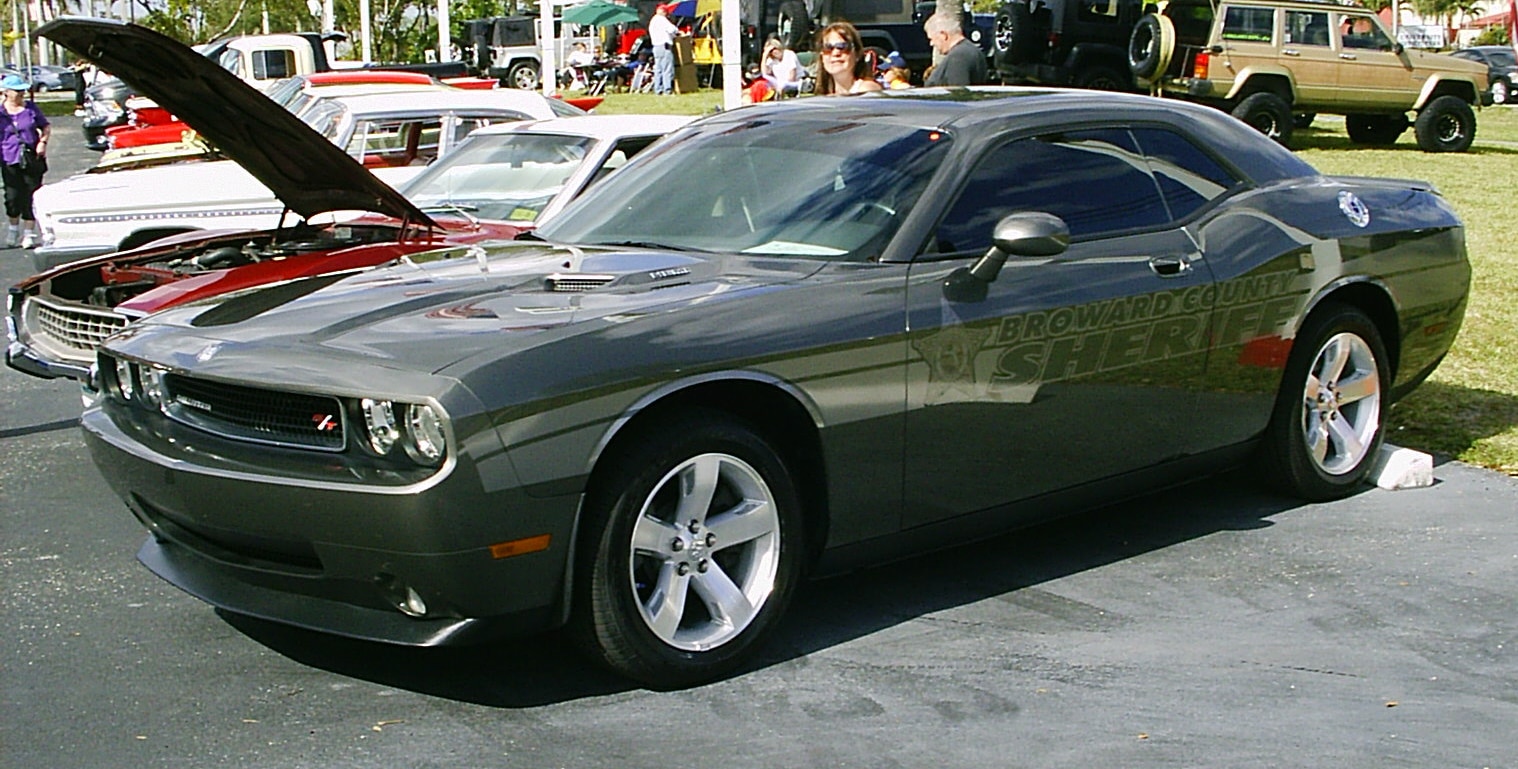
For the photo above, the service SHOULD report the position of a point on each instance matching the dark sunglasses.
(839, 46)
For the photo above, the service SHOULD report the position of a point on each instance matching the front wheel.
(1447, 124)
(1327, 426)
(693, 546)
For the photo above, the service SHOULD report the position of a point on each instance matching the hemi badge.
(673, 272)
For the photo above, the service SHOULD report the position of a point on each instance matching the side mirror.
(1026, 233)
(1398, 48)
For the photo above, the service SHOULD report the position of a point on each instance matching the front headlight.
(416, 427)
(424, 433)
(125, 383)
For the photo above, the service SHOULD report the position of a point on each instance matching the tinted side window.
(1254, 25)
(273, 63)
(1095, 180)
(1188, 177)
(1307, 28)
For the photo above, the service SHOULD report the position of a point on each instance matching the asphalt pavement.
(1215, 625)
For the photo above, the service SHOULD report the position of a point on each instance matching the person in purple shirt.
(23, 148)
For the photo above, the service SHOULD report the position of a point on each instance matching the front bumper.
(26, 360)
(336, 560)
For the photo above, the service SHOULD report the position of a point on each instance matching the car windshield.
(1503, 58)
(836, 189)
(509, 177)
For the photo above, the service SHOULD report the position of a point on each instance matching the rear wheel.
(1102, 78)
(692, 549)
(524, 75)
(1447, 124)
(1327, 429)
(1375, 129)
(1267, 113)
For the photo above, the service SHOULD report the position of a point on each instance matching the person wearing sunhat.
(894, 74)
(23, 148)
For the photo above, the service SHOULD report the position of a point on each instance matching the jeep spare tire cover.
(1012, 34)
(1150, 46)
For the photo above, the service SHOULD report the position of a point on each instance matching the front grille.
(253, 414)
(71, 329)
(576, 282)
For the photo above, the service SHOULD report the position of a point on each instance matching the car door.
(1068, 368)
(1373, 74)
(1307, 51)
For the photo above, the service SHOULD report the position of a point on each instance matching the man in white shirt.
(661, 34)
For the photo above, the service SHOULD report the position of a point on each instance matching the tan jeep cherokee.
(1264, 60)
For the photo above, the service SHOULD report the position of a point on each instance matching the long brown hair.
(851, 36)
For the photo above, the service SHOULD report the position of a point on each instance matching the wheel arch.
(1373, 299)
(1255, 80)
(777, 410)
(1435, 87)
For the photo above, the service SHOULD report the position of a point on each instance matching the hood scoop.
(575, 282)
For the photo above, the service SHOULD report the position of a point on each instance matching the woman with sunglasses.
(844, 69)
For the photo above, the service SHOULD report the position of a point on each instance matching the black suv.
(884, 25)
(1502, 70)
(1083, 43)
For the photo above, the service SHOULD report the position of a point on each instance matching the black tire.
(524, 75)
(1102, 78)
(1446, 124)
(793, 26)
(1267, 113)
(1377, 130)
(1150, 46)
(1012, 35)
(1327, 427)
(648, 609)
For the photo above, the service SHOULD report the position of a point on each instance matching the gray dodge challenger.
(787, 340)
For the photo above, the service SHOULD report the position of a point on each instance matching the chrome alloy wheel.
(709, 531)
(1342, 404)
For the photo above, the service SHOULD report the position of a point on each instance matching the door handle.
(1348, 56)
(1170, 266)
(1290, 52)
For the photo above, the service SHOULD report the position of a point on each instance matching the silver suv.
(1264, 60)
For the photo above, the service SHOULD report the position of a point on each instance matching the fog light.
(412, 604)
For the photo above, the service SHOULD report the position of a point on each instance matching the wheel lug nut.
(695, 526)
(703, 566)
(677, 545)
(711, 539)
(683, 569)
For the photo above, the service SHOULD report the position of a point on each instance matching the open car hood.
(305, 171)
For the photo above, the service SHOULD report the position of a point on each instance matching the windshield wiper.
(644, 244)
(462, 209)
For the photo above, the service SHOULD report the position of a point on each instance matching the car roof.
(988, 110)
(601, 127)
(445, 99)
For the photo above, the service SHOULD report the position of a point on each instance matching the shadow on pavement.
(546, 669)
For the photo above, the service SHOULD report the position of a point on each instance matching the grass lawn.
(1469, 408)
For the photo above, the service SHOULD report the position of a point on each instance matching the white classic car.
(394, 133)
